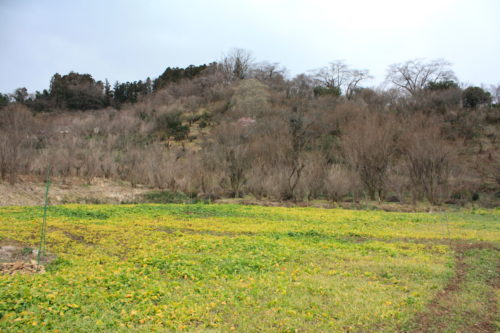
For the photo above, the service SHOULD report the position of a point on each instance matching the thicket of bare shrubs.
(267, 137)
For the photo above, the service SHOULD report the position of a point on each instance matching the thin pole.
(41, 249)
(448, 227)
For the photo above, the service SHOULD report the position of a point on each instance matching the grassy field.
(231, 268)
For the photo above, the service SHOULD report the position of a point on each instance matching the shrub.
(166, 196)
(474, 97)
(170, 125)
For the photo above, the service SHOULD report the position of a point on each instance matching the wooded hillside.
(235, 127)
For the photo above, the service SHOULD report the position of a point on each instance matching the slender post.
(448, 227)
(41, 248)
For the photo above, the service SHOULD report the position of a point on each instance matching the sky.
(130, 40)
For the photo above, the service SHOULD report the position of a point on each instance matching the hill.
(234, 128)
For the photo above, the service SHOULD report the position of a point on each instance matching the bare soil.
(19, 258)
(30, 192)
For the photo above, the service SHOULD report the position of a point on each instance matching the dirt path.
(446, 303)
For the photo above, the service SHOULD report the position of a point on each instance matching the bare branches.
(428, 158)
(339, 76)
(236, 64)
(414, 75)
(265, 71)
(334, 75)
(369, 144)
(354, 79)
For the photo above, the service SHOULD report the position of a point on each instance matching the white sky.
(131, 40)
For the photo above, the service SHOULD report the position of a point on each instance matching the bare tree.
(296, 154)
(300, 87)
(272, 74)
(398, 181)
(265, 71)
(334, 75)
(495, 93)
(229, 154)
(339, 182)
(355, 78)
(236, 64)
(269, 149)
(414, 75)
(368, 145)
(339, 76)
(428, 158)
(15, 140)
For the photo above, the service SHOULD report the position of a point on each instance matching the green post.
(41, 248)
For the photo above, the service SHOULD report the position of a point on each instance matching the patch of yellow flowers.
(230, 268)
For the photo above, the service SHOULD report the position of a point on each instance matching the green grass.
(212, 268)
(470, 298)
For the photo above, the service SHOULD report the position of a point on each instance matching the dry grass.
(30, 192)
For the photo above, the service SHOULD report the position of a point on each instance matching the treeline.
(237, 128)
(76, 91)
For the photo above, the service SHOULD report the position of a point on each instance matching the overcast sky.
(131, 40)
